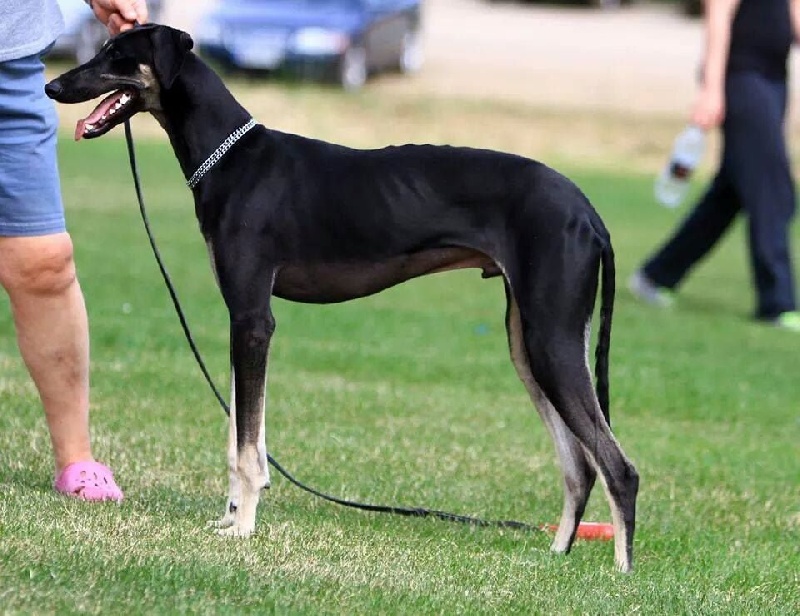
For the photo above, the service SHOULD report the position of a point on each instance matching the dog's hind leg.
(578, 473)
(555, 300)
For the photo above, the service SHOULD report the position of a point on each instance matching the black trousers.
(755, 178)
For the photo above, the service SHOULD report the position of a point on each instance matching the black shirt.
(761, 36)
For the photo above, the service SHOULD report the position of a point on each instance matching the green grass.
(405, 398)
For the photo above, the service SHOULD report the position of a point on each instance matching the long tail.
(607, 289)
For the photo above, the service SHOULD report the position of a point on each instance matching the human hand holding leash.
(119, 15)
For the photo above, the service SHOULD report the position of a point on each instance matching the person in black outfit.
(744, 89)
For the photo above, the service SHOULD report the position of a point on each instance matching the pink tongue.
(79, 130)
(97, 114)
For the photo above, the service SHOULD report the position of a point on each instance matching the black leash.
(404, 511)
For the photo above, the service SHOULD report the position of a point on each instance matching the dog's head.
(134, 67)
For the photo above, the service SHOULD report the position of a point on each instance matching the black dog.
(314, 222)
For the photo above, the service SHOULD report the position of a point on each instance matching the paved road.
(642, 58)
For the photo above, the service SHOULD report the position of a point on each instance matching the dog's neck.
(198, 113)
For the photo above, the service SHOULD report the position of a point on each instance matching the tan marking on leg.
(251, 472)
(210, 249)
(620, 531)
(234, 485)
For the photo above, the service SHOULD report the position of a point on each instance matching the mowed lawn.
(405, 398)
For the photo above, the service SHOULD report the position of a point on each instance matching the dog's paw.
(236, 530)
(225, 521)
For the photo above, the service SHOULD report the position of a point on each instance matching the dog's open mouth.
(114, 109)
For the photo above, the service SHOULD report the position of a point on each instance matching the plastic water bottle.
(673, 181)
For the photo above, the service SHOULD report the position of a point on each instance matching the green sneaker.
(789, 321)
(646, 290)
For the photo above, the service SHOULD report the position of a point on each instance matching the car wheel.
(90, 39)
(353, 69)
(411, 56)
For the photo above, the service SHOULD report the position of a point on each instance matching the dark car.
(342, 40)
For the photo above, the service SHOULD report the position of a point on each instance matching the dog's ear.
(170, 47)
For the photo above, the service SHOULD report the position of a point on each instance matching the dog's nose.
(53, 88)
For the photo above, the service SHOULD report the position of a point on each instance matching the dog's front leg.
(249, 473)
(247, 289)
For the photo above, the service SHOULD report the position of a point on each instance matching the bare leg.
(38, 273)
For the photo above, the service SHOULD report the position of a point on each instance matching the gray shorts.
(30, 192)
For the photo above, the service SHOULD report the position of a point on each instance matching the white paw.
(225, 521)
(236, 530)
(558, 548)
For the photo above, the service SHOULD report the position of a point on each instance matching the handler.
(36, 255)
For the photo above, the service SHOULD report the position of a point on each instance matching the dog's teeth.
(125, 98)
(88, 126)
(112, 110)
